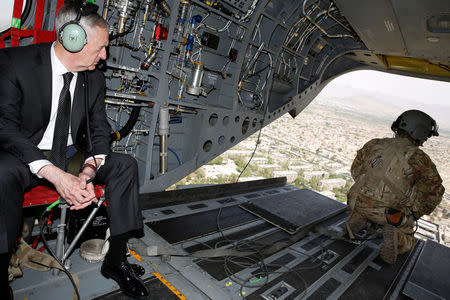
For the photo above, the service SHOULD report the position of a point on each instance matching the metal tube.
(105, 9)
(60, 236)
(163, 132)
(83, 228)
(121, 25)
(179, 108)
(163, 154)
(164, 7)
(194, 86)
(182, 16)
(61, 231)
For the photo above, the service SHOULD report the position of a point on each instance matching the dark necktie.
(59, 146)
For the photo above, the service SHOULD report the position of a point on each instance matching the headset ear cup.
(73, 37)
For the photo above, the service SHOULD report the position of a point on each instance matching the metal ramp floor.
(314, 266)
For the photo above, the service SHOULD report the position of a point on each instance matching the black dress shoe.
(127, 279)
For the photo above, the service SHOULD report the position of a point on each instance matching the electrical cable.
(262, 123)
(44, 240)
(118, 35)
(171, 150)
(257, 261)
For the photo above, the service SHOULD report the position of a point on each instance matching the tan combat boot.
(388, 250)
(355, 224)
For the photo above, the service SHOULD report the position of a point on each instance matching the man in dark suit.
(35, 82)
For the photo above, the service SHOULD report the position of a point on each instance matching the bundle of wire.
(232, 264)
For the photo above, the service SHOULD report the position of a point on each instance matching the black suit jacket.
(25, 104)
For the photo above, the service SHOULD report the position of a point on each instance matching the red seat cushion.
(42, 194)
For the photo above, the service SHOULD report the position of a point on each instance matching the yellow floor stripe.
(138, 258)
(170, 286)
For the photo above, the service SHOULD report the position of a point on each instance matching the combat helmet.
(416, 124)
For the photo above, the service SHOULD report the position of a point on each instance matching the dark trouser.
(119, 174)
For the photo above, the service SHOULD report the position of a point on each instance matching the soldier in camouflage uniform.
(395, 184)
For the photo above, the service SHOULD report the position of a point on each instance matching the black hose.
(126, 129)
(44, 240)
(112, 37)
(26, 11)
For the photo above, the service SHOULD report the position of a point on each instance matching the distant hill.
(381, 106)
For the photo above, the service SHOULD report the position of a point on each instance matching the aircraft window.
(207, 146)
(245, 125)
(226, 120)
(213, 119)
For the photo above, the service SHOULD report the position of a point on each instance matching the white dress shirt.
(58, 69)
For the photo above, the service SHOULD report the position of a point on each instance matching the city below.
(315, 150)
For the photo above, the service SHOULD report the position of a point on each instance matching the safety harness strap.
(33, 259)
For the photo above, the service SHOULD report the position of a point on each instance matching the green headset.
(72, 35)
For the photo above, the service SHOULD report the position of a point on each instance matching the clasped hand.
(75, 190)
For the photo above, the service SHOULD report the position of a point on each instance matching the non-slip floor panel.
(376, 284)
(294, 210)
(187, 227)
(241, 234)
(432, 265)
(304, 274)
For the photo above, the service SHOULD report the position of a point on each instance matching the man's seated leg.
(398, 235)
(120, 175)
(15, 177)
(389, 248)
(406, 240)
(121, 270)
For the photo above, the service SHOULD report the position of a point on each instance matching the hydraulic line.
(323, 30)
(126, 129)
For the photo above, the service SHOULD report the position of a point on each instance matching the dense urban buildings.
(316, 150)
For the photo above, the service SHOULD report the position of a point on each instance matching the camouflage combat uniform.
(394, 173)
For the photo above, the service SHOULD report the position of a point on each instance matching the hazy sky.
(415, 89)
